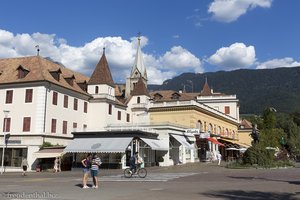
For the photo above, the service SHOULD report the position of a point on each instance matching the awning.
(156, 144)
(215, 141)
(182, 140)
(237, 142)
(98, 145)
(49, 153)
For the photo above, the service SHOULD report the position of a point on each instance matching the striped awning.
(98, 145)
(157, 144)
(181, 139)
(49, 153)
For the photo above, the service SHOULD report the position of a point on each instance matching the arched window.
(96, 90)
(199, 125)
(226, 132)
(219, 130)
(210, 128)
(138, 100)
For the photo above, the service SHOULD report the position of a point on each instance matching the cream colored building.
(49, 103)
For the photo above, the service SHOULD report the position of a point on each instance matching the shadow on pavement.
(246, 195)
(266, 179)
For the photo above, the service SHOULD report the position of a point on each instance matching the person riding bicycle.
(135, 162)
(132, 163)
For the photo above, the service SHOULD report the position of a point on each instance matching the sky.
(177, 36)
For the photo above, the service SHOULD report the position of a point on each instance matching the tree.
(269, 118)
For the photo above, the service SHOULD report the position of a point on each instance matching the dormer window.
(175, 96)
(83, 86)
(157, 96)
(70, 80)
(22, 72)
(56, 74)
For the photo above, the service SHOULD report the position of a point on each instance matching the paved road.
(191, 181)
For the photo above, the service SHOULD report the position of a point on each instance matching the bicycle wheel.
(142, 172)
(127, 173)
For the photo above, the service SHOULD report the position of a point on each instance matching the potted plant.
(160, 160)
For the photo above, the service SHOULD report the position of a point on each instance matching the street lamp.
(6, 112)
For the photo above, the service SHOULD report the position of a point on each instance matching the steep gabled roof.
(139, 63)
(246, 124)
(39, 70)
(101, 74)
(206, 91)
(140, 89)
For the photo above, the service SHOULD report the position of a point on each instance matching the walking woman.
(24, 165)
(86, 163)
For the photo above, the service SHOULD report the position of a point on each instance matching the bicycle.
(141, 172)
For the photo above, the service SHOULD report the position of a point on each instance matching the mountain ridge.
(256, 89)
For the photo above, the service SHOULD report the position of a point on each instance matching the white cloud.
(120, 55)
(275, 63)
(180, 59)
(236, 56)
(231, 10)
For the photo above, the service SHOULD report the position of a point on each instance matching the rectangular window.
(75, 106)
(109, 109)
(119, 115)
(9, 96)
(85, 107)
(65, 127)
(6, 125)
(65, 101)
(128, 117)
(53, 126)
(26, 124)
(28, 95)
(54, 98)
(84, 127)
(227, 110)
(74, 126)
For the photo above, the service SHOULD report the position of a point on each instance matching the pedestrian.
(86, 163)
(59, 164)
(96, 162)
(24, 166)
(56, 165)
(219, 158)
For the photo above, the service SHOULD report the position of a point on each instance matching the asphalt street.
(199, 181)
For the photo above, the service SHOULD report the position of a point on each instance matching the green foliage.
(260, 156)
(271, 137)
(160, 159)
(269, 118)
(47, 144)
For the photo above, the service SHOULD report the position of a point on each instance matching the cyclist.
(132, 163)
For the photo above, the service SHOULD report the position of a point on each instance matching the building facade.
(47, 103)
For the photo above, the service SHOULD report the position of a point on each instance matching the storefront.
(116, 147)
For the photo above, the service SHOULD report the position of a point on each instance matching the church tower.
(138, 71)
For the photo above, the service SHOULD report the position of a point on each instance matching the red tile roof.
(39, 70)
(101, 74)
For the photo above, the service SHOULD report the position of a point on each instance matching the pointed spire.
(139, 63)
(206, 91)
(140, 89)
(101, 74)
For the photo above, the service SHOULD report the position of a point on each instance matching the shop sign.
(192, 131)
(204, 135)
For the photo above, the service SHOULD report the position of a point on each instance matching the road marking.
(159, 177)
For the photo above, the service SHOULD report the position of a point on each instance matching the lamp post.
(6, 112)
